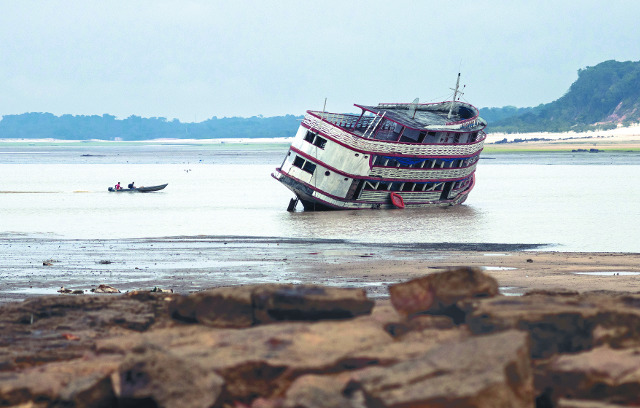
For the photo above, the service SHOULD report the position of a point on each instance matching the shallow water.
(573, 202)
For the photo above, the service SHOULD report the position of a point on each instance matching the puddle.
(498, 268)
(35, 291)
(496, 254)
(607, 273)
(342, 252)
(508, 290)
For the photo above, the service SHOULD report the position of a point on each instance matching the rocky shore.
(445, 339)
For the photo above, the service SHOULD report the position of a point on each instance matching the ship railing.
(347, 121)
(459, 124)
(343, 136)
(355, 122)
(413, 174)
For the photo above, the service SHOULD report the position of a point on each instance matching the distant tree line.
(107, 127)
(602, 97)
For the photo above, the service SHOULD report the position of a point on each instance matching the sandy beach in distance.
(619, 139)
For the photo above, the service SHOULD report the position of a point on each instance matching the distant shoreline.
(239, 140)
(615, 140)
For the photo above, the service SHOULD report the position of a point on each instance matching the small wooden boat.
(140, 189)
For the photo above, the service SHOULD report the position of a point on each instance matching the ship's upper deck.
(409, 123)
(430, 116)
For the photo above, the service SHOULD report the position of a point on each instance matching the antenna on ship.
(324, 108)
(412, 107)
(455, 95)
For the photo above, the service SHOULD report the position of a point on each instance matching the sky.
(193, 60)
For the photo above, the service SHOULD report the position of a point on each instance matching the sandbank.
(619, 139)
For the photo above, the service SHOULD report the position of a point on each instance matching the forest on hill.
(602, 97)
(37, 125)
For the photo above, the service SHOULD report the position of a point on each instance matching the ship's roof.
(427, 116)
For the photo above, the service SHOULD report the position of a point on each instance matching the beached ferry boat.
(393, 155)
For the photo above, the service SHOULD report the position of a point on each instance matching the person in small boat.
(131, 185)
(118, 186)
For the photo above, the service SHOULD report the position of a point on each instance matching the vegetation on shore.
(107, 127)
(602, 97)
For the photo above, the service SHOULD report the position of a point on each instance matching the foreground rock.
(245, 306)
(602, 373)
(438, 293)
(153, 376)
(453, 375)
(561, 323)
(445, 341)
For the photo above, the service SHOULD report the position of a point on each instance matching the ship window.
(396, 186)
(407, 187)
(326, 173)
(309, 167)
(309, 136)
(383, 186)
(298, 161)
(320, 142)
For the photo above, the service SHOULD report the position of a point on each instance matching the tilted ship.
(393, 155)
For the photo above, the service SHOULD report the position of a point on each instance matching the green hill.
(602, 97)
(36, 125)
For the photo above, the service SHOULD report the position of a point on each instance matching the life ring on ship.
(397, 200)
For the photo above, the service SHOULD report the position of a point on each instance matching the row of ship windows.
(425, 164)
(310, 167)
(315, 140)
(321, 142)
(305, 165)
(410, 186)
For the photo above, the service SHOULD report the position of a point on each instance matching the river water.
(569, 201)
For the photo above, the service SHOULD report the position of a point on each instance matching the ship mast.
(455, 95)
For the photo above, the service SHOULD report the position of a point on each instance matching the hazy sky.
(192, 60)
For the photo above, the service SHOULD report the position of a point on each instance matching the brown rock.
(308, 302)
(438, 293)
(316, 391)
(485, 371)
(154, 377)
(105, 289)
(244, 306)
(78, 383)
(560, 324)
(57, 328)
(603, 374)
(262, 361)
(220, 307)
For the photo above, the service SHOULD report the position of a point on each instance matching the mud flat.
(41, 266)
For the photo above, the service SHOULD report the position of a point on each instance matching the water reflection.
(445, 224)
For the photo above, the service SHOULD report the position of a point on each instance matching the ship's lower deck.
(317, 200)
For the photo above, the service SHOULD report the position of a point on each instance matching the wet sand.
(188, 264)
